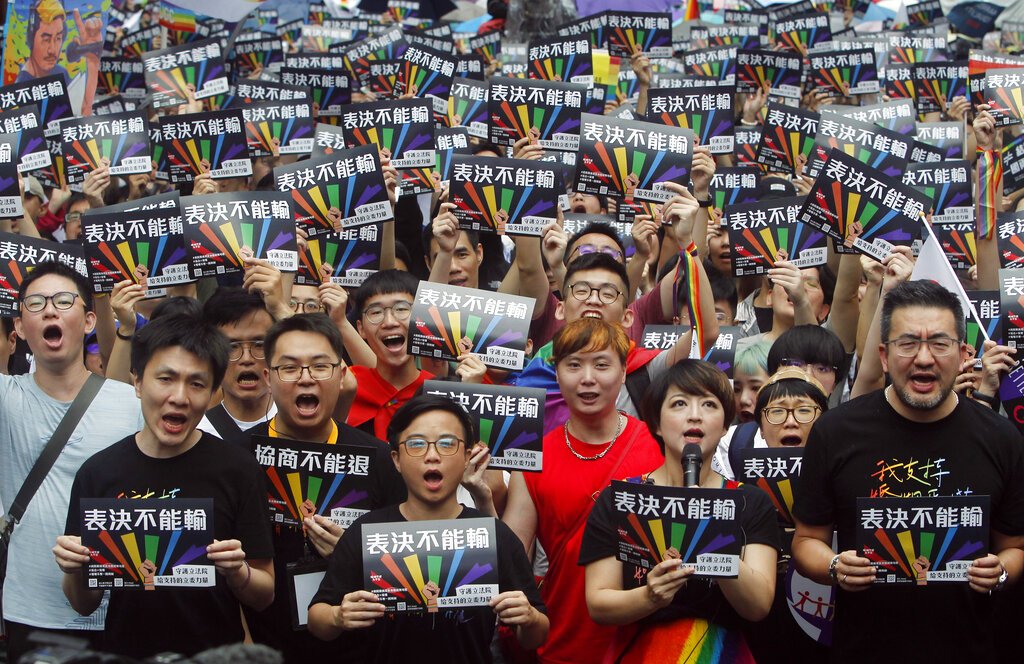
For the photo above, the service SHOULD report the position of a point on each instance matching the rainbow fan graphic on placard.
(759, 76)
(483, 202)
(883, 161)
(900, 88)
(399, 11)
(174, 81)
(426, 81)
(623, 41)
(782, 146)
(52, 109)
(131, 555)
(121, 81)
(922, 14)
(391, 51)
(803, 39)
(142, 42)
(361, 252)
(655, 536)
(762, 246)
(192, 151)
(904, 55)
(397, 140)
(54, 175)
(229, 237)
(317, 200)
(986, 304)
(722, 196)
(316, 43)
(562, 68)
(839, 79)
(469, 111)
(89, 154)
(719, 70)
(384, 77)
(246, 63)
(907, 548)
(959, 246)
(1006, 101)
(1011, 251)
(417, 181)
(292, 492)
(947, 195)
(466, 325)
(933, 91)
(260, 135)
(486, 49)
(317, 13)
(407, 579)
(116, 261)
(707, 125)
(494, 433)
(290, 33)
(616, 164)
(26, 143)
(516, 120)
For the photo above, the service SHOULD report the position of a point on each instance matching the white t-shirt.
(206, 425)
(28, 417)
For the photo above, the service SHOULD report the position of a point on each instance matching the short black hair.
(596, 261)
(190, 333)
(722, 288)
(922, 294)
(487, 146)
(600, 228)
(318, 323)
(427, 403)
(45, 268)
(228, 305)
(384, 282)
(692, 377)
(177, 305)
(827, 280)
(402, 253)
(812, 344)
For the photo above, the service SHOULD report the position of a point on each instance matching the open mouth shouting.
(791, 440)
(307, 405)
(53, 335)
(394, 342)
(922, 382)
(433, 479)
(693, 435)
(174, 424)
(249, 380)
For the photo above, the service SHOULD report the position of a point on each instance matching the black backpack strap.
(225, 425)
(636, 385)
(742, 439)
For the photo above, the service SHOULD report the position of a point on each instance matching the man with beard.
(915, 437)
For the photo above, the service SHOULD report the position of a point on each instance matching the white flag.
(932, 265)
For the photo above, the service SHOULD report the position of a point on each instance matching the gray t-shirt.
(28, 417)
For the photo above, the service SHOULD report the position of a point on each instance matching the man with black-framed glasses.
(428, 441)
(915, 438)
(305, 370)
(56, 314)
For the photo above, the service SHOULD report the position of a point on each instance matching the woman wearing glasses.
(667, 614)
(597, 444)
(800, 620)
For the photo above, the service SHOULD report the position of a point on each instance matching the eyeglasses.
(309, 306)
(816, 367)
(62, 301)
(238, 349)
(400, 310)
(445, 445)
(584, 249)
(910, 346)
(607, 293)
(291, 373)
(72, 217)
(802, 414)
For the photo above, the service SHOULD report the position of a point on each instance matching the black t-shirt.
(273, 625)
(143, 623)
(450, 636)
(699, 598)
(866, 449)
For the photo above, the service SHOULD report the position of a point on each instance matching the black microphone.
(692, 461)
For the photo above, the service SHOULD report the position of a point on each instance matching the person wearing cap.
(913, 438)
(787, 407)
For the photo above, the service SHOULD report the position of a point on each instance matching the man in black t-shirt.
(305, 405)
(915, 438)
(428, 438)
(178, 363)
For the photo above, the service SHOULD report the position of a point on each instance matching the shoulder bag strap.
(45, 462)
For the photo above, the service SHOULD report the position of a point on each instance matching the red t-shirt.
(378, 400)
(646, 311)
(563, 495)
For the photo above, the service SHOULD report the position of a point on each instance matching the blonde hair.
(589, 335)
(49, 10)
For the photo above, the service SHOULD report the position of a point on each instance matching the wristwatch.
(832, 572)
(991, 402)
